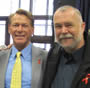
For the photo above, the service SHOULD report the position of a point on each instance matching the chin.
(66, 44)
(19, 43)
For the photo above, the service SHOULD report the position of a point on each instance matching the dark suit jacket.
(37, 69)
(53, 62)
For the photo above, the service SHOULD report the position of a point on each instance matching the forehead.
(20, 18)
(65, 16)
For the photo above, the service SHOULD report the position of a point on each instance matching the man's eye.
(15, 25)
(58, 26)
(25, 25)
(68, 25)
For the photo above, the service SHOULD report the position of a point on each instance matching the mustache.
(62, 36)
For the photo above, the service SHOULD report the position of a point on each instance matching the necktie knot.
(18, 54)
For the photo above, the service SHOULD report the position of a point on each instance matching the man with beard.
(64, 62)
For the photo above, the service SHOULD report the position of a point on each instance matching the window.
(42, 11)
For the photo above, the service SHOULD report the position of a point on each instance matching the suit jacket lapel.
(4, 56)
(35, 67)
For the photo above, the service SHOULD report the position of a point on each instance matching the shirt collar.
(27, 51)
(24, 52)
(75, 56)
(78, 54)
(13, 51)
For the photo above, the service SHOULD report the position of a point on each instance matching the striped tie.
(16, 73)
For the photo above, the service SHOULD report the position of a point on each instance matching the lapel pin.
(86, 79)
(38, 61)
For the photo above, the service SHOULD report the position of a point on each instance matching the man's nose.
(20, 27)
(64, 29)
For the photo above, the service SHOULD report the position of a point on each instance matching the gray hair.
(65, 7)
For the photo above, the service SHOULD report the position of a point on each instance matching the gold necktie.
(16, 73)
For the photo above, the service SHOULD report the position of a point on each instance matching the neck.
(21, 46)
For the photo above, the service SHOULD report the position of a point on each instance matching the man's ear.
(83, 26)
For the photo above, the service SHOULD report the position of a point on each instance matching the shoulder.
(5, 52)
(38, 50)
(55, 48)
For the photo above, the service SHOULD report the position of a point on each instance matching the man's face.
(21, 30)
(69, 29)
